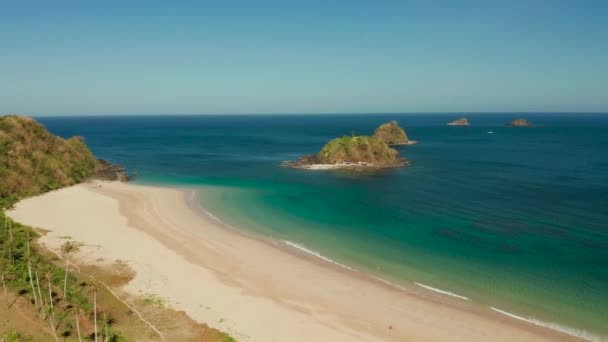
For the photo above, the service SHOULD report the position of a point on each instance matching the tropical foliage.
(391, 134)
(33, 161)
(356, 149)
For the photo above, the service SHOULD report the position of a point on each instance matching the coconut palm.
(29, 270)
(52, 315)
(39, 291)
(3, 283)
(3, 268)
(77, 318)
(95, 311)
(11, 242)
(67, 248)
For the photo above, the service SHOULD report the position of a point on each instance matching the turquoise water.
(516, 219)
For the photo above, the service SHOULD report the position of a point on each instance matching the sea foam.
(554, 326)
(316, 254)
(442, 291)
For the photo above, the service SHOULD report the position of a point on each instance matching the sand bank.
(253, 288)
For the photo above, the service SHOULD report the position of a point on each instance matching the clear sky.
(155, 57)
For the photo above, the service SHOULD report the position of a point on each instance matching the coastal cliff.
(391, 134)
(520, 123)
(459, 122)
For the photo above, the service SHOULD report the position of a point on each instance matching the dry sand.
(255, 289)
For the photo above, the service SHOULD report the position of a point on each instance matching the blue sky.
(155, 57)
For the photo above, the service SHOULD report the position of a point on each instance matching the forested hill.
(32, 160)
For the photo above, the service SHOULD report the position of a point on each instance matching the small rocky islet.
(459, 122)
(519, 123)
(359, 152)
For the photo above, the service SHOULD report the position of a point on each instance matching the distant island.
(459, 122)
(519, 123)
(356, 152)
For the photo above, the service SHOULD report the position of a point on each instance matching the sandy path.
(248, 287)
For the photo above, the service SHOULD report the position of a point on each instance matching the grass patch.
(152, 299)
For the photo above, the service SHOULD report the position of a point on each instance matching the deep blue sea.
(516, 219)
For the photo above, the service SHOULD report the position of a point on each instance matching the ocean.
(516, 219)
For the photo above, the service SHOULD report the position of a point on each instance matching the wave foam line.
(554, 326)
(316, 254)
(224, 223)
(442, 291)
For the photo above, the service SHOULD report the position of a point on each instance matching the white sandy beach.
(252, 288)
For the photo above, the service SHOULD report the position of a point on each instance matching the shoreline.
(347, 165)
(177, 243)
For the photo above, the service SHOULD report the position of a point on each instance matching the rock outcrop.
(391, 134)
(110, 172)
(519, 123)
(459, 122)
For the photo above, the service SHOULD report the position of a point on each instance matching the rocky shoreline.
(409, 142)
(311, 162)
(111, 172)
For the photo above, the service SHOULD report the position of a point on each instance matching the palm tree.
(67, 248)
(3, 283)
(2, 270)
(39, 291)
(105, 322)
(10, 242)
(52, 308)
(29, 270)
(95, 311)
(48, 278)
(77, 318)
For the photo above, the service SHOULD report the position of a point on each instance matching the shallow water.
(516, 219)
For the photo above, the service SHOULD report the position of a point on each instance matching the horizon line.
(309, 113)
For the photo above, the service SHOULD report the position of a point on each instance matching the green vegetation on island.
(391, 134)
(46, 296)
(359, 151)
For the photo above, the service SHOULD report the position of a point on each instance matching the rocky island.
(520, 123)
(358, 152)
(459, 122)
(391, 134)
